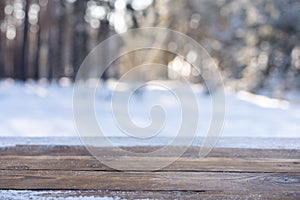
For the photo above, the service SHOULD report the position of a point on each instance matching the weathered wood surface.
(88, 163)
(224, 173)
(153, 181)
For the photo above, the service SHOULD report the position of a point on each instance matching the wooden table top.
(71, 171)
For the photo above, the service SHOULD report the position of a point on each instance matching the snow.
(223, 142)
(47, 195)
(42, 114)
(45, 110)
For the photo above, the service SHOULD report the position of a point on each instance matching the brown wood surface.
(210, 164)
(61, 150)
(224, 173)
(153, 181)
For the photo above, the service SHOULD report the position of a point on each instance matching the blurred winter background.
(256, 45)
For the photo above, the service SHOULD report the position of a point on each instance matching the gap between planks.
(222, 172)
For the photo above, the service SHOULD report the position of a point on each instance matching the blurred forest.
(255, 43)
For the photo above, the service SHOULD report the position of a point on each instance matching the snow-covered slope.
(40, 110)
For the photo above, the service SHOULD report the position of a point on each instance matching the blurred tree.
(80, 35)
(255, 43)
(252, 41)
(2, 37)
(24, 46)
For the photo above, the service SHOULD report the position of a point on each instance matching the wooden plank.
(224, 174)
(35, 150)
(96, 194)
(209, 164)
(150, 181)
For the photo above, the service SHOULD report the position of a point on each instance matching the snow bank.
(41, 110)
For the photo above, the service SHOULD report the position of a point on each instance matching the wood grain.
(61, 150)
(209, 164)
(224, 174)
(153, 181)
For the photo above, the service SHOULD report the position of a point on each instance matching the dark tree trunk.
(103, 35)
(80, 36)
(60, 33)
(37, 50)
(56, 39)
(24, 44)
(44, 42)
(51, 60)
(2, 71)
(66, 38)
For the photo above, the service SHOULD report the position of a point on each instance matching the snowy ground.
(48, 195)
(45, 111)
(41, 110)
